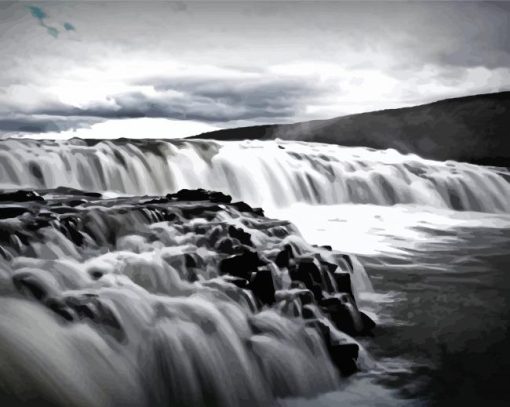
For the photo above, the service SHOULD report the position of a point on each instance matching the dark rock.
(262, 285)
(344, 357)
(96, 274)
(60, 308)
(219, 197)
(76, 202)
(20, 196)
(205, 211)
(64, 209)
(306, 270)
(98, 310)
(83, 306)
(239, 282)
(200, 195)
(7, 212)
(343, 313)
(225, 245)
(158, 200)
(189, 260)
(28, 282)
(240, 234)
(296, 284)
(244, 207)
(306, 296)
(69, 226)
(342, 354)
(284, 257)
(241, 265)
(343, 281)
(329, 267)
(348, 260)
(307, 312)
(317, 292)
(37, 224)
(280, 231)
(213, 235)
(322, 328)
(75, 192)
(368, 323)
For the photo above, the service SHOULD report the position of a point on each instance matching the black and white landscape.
(231, 204)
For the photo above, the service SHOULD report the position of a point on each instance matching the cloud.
(206, 100)
(15, 124)
(235, 63)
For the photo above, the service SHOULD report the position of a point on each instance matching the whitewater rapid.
(271, 174)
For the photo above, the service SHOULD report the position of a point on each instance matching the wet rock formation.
(184, 281)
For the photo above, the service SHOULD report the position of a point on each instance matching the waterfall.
(263, 173)
(123, 300)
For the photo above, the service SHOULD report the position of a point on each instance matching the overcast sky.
(176, 69)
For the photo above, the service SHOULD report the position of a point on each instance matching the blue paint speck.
(52, 31)
(37, 12)
(69, 27)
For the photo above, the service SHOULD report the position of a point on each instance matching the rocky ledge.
(262, 262)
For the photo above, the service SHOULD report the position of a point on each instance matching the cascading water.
(269, 173)
(105, 302)
(128, 301)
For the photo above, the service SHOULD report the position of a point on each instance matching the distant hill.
(473, 129)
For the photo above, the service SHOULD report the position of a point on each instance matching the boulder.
(308, 271)
(262, 285)
(343, 281)
(368, 323)
(60, 308)
(344, 356)
(225, 245)
(7, 212)
(240, 234)
(244, 207)
(241, 265)
(200, 195)
(283, 258)
(20, 196)
(343, 313)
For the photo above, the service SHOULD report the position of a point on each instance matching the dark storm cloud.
(203, 99)
(37, 124)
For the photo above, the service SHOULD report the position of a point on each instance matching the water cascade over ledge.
(263, 173)
(115, 293)
(185, 300)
